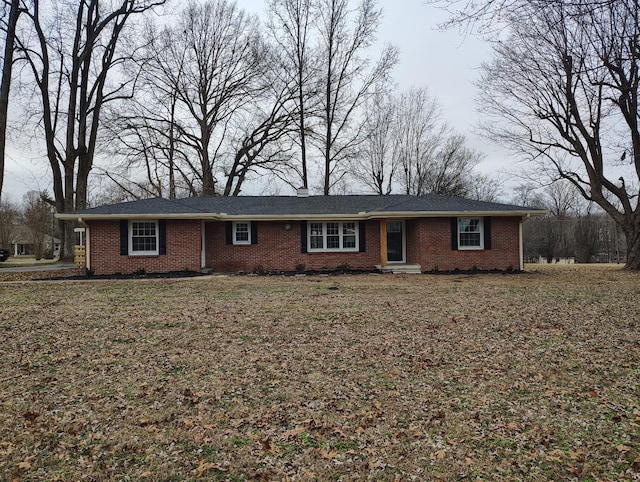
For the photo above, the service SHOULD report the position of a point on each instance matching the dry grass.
(488, 377)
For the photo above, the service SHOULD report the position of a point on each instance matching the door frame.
(404, 241)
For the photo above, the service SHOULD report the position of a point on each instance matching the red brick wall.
(183, 249)
(429, 244)
(278, 249)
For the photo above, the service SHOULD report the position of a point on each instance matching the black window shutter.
(228, 232)
(303, 236)
(454, 234)
(362, 235)
(254, 232)
(162, 237)
(124, 237)
(487, 232)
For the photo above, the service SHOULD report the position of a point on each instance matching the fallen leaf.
(294, 432)
(328, 454)
(204, 467)
(575, 470)
(578, 455)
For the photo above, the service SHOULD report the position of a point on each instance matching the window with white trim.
(143, 237)
(241, 233)
(333, 236)
(470, 235)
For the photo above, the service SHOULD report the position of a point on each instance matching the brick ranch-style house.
(298, 233)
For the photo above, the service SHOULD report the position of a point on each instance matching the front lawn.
(357, 377)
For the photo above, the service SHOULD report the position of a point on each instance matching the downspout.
(521, 241)
(203, 255)
(87, 244)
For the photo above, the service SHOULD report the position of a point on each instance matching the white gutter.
(301, 217)
(203, 257)
(107, 217)
(87, 244)
(521, 242)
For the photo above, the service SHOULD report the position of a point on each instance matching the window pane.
(469, 232)
(348, 235)
(143, 236)
(469, 239)
(316, 240)
(143, 243)
(316, 229)
(333, 242)
(333, 235)
(348, 228)
(349, 241)
(242, 232)
(394, 226)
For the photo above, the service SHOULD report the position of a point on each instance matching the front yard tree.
(209, 64)
(570, 105)
(10, 13)
(290, 27)
(345, 79)
(261, 142)
(71, 50)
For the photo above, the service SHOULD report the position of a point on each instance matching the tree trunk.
(303, 137)
(633, 246)
(7, 69)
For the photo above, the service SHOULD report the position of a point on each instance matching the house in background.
(22, 242)
(297, 233)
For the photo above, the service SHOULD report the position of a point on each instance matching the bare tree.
(210, 61)
(433, 159)
(37, 219)
(71, 49)
(9, 22)
(345, 81)
(376, 164)
(451, 168)
(528, 195)
(562, 199)
(420, 131)
(144, 133)
(9, 214)
(263, 130)
(215, 104)
(290, 27)
(571, 103)
(484, 187)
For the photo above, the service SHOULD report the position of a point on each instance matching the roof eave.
(444, 214)
(110, 217)
(299, 217)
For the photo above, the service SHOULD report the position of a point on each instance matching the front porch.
(401, 268)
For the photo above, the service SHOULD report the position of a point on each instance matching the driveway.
(44, 267)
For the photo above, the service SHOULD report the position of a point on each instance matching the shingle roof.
(294, 206)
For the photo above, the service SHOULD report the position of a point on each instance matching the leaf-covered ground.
(368, 377)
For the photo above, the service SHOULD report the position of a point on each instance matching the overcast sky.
(444, 62)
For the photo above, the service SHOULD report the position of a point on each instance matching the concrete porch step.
(401, 268)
